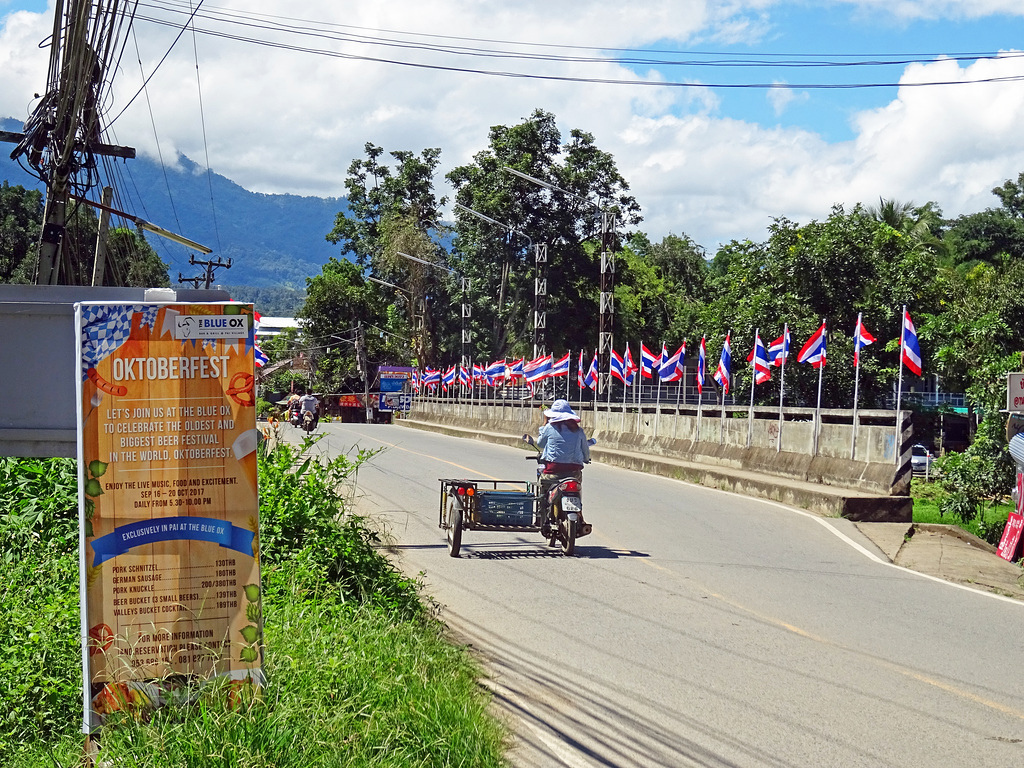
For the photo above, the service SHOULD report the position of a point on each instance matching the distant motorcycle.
(308, 421)
(295, 418)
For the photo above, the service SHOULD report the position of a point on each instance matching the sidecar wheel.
(454, 532)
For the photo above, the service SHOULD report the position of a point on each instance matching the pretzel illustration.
(241, 392)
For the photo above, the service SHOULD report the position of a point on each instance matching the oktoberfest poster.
(168, 502)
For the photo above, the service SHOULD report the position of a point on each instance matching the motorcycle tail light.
(572, 486)
(470, 491)
(461, 491)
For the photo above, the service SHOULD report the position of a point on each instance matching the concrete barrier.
(732, 453)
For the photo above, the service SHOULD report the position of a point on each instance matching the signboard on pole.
(1015, 392)
(168, 506)
(1009, 544)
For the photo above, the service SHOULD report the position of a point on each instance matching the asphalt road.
(697, 627)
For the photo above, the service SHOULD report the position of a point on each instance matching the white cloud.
(938, 9)
(281, 121)
(781, 96)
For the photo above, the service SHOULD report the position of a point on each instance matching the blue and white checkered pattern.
(105, 327)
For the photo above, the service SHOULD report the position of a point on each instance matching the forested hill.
(272, 240)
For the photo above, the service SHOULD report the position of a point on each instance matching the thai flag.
(724, 365)
(672, 367)
(478, 373)
(537, 369)
(813, 351)
(648, 362)
(911, 350)
(416, 379)
(515, 371)
(701, 363)
(758, 358)
(495, 373)
(630, 367)
(580, 373)
(431, 378)
(590, 380)
(560, 367)
(449, 377)
(861, 338)
(464, 375)
(260, 358)
(618, 367)
(778, 350)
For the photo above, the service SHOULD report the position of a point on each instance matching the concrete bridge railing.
(878, 464)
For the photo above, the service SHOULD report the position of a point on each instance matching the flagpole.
(782, 385)
(568, 376)
(681, 385)
(821, 373)
(899, 387)
(638, 384)
(700, 386)
(625, 389)
(721, 411)
(657, 406)
(753, 377)
(856, 384)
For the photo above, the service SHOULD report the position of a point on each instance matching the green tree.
(341, 303)
(502, 267)
(832, 270)
(21, 216)
(661, 289)
(392, 211)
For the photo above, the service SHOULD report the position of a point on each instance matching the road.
(700, 628)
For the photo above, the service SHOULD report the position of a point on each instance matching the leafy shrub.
(304, 525)
(977, 480)
(40, 668)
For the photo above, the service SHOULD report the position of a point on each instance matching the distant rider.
(309, 404)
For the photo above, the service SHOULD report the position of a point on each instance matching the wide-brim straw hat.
(560, 410)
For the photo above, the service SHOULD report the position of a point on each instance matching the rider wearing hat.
(564, 448)
(562, 443)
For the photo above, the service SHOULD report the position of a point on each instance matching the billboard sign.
(168, 502)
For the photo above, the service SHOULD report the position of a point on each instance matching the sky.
(712, 152)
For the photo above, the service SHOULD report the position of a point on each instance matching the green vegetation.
(930, 499)
(359, 671)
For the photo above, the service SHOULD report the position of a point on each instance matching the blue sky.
(716, 164)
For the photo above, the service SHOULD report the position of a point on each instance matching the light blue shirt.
(563, 445)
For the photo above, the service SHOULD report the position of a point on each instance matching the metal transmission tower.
(607, 306)
(540, 284)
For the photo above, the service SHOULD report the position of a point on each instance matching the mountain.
(272, 240)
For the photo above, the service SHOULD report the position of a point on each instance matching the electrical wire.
(157, 67)
(206, 144)
(159, 152)
(764, 61)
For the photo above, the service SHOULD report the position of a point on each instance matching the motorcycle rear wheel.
(569, 538)
(454, 532)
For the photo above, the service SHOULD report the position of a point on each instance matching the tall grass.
(359, 672)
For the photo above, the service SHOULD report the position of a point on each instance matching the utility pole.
(99, 265)
(364, 371)
(467, 333)
(207, 276)
(607, 317)
(540, 300)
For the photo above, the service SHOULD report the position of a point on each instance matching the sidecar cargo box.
(504, 508)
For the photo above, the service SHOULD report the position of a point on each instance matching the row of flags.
(670, 367)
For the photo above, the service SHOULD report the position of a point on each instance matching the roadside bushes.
(308, 534)
(977, 480)
(40, 667)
